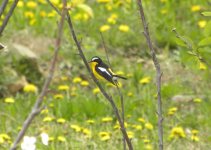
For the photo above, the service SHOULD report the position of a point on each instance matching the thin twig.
(3, 6)
(9, 14)
(106, 50)
(109, 98)
(158, 74)
(193, 51)
(37, 107)
(123, 113)
(121, 96)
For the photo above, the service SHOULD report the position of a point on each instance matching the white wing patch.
(104, 70)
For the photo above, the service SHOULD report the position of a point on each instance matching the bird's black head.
(96, 59)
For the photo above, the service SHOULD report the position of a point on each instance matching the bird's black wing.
(104, 72)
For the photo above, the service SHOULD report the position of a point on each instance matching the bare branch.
(9, 14)
(119, 92)
(3, 6)
(123, 113)
(105, 48)
(37, 107)
(98, 84)
(158, 74)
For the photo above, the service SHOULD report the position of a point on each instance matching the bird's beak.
(89, 61)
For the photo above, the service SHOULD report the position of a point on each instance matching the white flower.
(28, 143)
(44, 138)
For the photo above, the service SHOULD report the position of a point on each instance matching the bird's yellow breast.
(92, 66)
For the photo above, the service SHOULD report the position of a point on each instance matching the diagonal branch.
(9, 14)
(106, 50)
(158, 74)
(109, 98)
(3, 6)
(37, 107)
(118, 89)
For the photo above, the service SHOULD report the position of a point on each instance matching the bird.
(103, 72)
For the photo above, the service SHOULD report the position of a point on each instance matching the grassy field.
(76, 115)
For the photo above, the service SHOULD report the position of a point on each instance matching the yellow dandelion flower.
(9, 100)
(177, 132)
(129, 75)
(61, 139)
(194, 131)
(163, 11)
(44, 111)
(107, 119)
(148, 126)
(104, 136)
(77, 16)
(109, 7)
(163, 1)
(63, 88)
(137, 127)
(141, 120)
(145, 80)
(5, 136)
(42, 1)
(20, 4)
(112, 19)
(61, 120)
(73, 94)
(195, 8)
(104, 28)
(77, 80)
(32, 22)
(85, 16)
(130, 94)
(130, 134)
(31, 4)
(124, 28)
(197, 100)
(30, 88)
(172, 110)
(29, 14)
(51, 105)
(103, 1)
(202, 23)
(128, 116)
(195, 138)
(2, 140)
(202, 66)
(64, 78)
(58, 96)
(96, 91)
(51, 139)
(146, 141)
(148, 147)
(55, 2)
(51, 14)
(75, 127)
(87, 132)
(90, 121)
(48, 119)
(43, 13)
(117, 126)
(84, 83)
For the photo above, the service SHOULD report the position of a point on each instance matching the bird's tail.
(120, 77)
